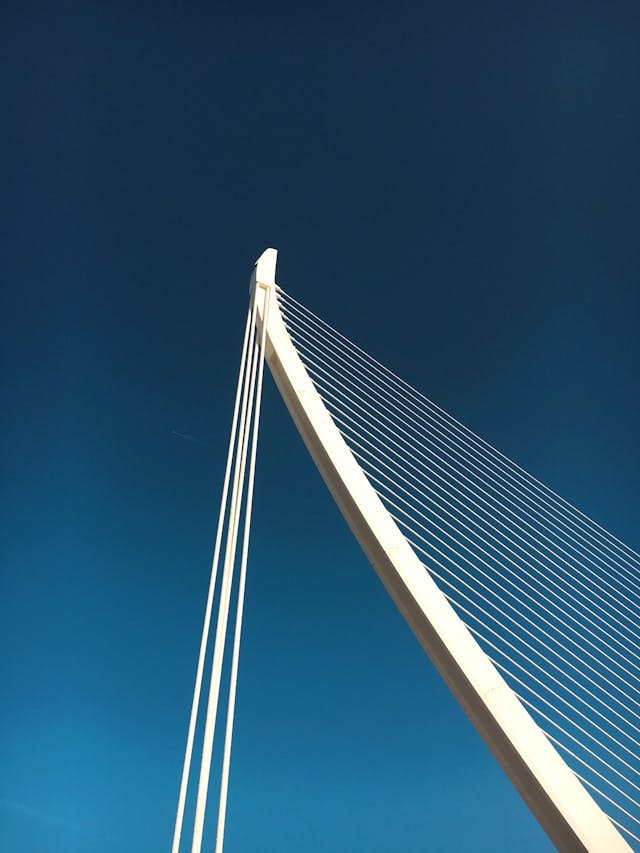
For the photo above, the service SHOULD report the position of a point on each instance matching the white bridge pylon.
(555, 794)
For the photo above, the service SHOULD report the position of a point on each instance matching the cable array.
(551, 596)
(234, 516)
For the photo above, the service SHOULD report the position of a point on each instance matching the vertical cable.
(224, 783)
(207, 615)
(225, 592)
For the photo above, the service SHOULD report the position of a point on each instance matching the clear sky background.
(455, 186)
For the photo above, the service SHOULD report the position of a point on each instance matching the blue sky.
(453, 186)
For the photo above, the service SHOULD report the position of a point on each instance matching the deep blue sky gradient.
(456, 187)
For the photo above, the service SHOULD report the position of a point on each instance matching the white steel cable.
(225, 595)
(412, 533)
(487, 448)
(597, 773)
(588, 608)
(509, 674)
(546, 600)
(376, 406)
(429, 473)
(590, 721)
(580, 551)
(366, 462)
(429, 418)
(553, 707)
(458, 477)
(529, 481)
(507, 491)
(186, 768)
(560, 713)
(609, 799)
(571, 737)
(499, 562)
(567, 734)
(544, 686)
(224, 783)
(598, 659)
(525, 657)
(369, 418)
(536, 637)
(619, 825)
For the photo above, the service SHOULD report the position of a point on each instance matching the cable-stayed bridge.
(527, 607)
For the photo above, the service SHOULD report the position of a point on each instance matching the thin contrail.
(29, 811)
(189, 438)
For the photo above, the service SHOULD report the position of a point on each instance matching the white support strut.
(227, 581)
(562, 805)
(177, 832)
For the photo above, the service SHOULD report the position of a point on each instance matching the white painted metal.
(235, 508)
(566, 811)
(233, 678)
(177, 832)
